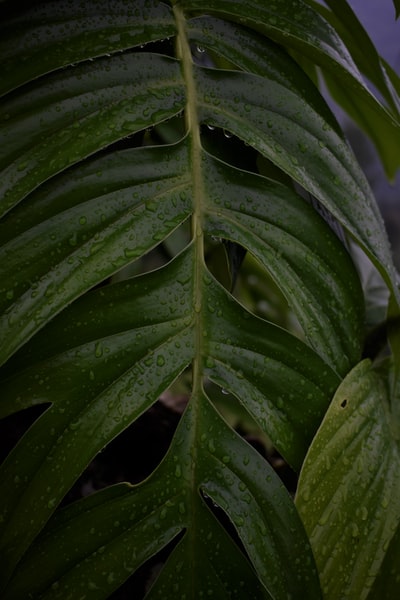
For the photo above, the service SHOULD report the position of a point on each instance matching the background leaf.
(364, 53)
(348, 494)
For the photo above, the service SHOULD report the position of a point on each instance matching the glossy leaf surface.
(136, 522)
(349, 492)
(107, 154)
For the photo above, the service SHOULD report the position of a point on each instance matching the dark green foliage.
(143, 130)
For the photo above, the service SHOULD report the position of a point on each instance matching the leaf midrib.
(184, 53)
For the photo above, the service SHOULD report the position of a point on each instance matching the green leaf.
(62, 116)
(288, 231)
(360, 46)
(349, 492)
(137, 521)
(96, 364)
(84, 197)
(301, 28)
(81, 228)
(383, 133)
(43, 38)
(397, 8)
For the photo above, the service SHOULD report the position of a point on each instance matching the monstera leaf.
(90, 185)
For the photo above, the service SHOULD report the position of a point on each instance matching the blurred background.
(378, 18)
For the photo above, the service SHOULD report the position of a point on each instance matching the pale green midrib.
(193, 131)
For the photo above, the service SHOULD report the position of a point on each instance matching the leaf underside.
(82, 198)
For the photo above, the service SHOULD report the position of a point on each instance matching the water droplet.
(160, 360)
(227, 134)
(225, 392)
(92, 586)
(200, 49)
(210, 362)
(51, 503)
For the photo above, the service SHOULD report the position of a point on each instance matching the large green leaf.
(135, 522)
(349, 490)
(83, 198)
(96, 367)
(301, 27)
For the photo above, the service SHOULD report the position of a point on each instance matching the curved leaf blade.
(362, 49)
(285, 128)
(49, 36)
(97, 384)
(80, 231)
(300, 27)
(127, 91)
(271, 372)
(300, 251)
(169, 502)
(349, 492)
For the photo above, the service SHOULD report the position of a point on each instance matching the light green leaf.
(349, 490)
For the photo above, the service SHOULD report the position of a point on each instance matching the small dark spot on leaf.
(343, 404)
